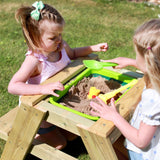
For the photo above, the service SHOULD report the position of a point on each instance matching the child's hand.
(49, 88)
(122, 62)
(100, 47)
(103, 110)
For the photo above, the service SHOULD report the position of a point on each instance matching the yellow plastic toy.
(93, 92)
(109, 95)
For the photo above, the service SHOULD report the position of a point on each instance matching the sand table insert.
(76, 98)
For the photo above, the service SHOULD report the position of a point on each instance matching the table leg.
(97, 146)
(25, 126)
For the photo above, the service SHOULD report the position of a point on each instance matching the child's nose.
(58, 40)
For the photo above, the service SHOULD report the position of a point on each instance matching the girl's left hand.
(100, 47)
(103, 110)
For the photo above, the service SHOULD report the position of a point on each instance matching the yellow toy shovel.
(109, 95)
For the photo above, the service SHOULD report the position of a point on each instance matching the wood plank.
(46, 152)
(98, 147)
(6, 122)
(25, 126)
(69, 72)
(63, 118)
(125, 105)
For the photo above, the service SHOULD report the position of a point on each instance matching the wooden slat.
(6, 123)
(63, 118)
(46, 152)
(125, 105)
(69, 72)
(25, 127)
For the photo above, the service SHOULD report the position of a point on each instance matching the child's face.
(51, 36)
(140, 61)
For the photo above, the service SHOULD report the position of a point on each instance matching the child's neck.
(54, 56)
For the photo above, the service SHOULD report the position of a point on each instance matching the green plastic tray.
(108, 74)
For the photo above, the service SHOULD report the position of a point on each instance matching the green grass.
(87, 22)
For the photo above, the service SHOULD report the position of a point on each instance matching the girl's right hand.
(103, 110)
(51, 87)
(122, 62)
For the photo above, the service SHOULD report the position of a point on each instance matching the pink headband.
(149, 48)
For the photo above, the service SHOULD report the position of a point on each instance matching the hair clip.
(35, 13)
(149, 48)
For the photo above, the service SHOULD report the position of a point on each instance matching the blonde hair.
(147, 44)
(31, 27)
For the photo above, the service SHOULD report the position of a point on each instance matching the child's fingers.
(108, 60)
(96, 106)
(54, 94)
(59, 88)
(95, 113)
(104, 47)
(104, 50)
(112, 102)
(102, 102)
(118, 67)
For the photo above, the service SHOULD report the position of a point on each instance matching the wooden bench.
(19, 126)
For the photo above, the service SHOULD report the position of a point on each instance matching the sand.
(76, 98)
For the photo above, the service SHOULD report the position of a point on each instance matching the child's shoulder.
(151, 97)
(38, 56)
(149, 92)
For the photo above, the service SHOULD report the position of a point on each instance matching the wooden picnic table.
(97, 137)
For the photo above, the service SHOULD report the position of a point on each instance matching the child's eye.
(54, 38)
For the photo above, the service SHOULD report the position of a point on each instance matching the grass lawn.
(87, 22)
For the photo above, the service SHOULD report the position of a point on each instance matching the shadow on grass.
(74, 148)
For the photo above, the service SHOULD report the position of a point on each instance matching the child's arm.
(122, 62)
(140, 138)
(18, 84)
(84, 51)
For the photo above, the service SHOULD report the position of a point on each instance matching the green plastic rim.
(72, 110)
(88, 72)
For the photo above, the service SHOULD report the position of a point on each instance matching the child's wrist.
(92, 48)
(116, 118)
(41, 89)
